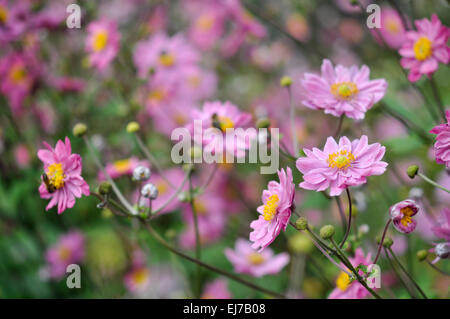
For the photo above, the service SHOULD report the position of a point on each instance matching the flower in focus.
(122, 167)
(68, 250)
(246, 260)
(341, 165)
(442, 145)
(102, 43)
(392, 31)
(402, 213)
(61, 181)
(275, 212)
(425, 48)
(342, 91)
(216, 289)
(345, 288)
(443, 228)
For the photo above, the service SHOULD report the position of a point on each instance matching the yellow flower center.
(56, 175)
(341, 160)
(406, 219)
(64, 253)
(423, 48)
(140, 276)
(343, 281)
(3, 14)
(180, 119)
(100, 40)
(225, 122)
(156, 95)
(194, 81)
(17, 74)
(256, 258)
(162, 187)
(200, 207)
(166, 59)
(122, 166)
(205, 22)
(270, 208)
(344, 90)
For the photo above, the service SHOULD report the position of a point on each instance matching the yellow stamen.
(256, 258)
(200, 207)
(392, 26)
(407, 213)
(122, 166)
(423, 48)
(64, 253)
(204, 22)
(100, 40)
(343, 281)
(341, 160)
(56, 175)
(166, 59)
(270, 208)
(17, 73)
(140, 276)
(3, 14)
(344, 90)
(156, 96)
(194, 81)
(162, 187)
(225, 122)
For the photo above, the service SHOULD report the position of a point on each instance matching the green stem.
(437, 97)
(349, 197)
(382, 240)
(197, 235)
(430, 181)
(394, 268)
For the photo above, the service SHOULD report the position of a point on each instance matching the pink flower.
(425, 48)
(341, 165)
(221, 116)
(342, 90)
(122, 167)
(22, 156)
(208, 25)
(68, 250)
(275, 211)
(402, 213)
(216, 289)
(443, 228)
(67, 84)
(442, 145)
(102, 43)
(246, 260)
(137, 281)
(14, 19)
(62, 180)
(345, 289)
(392, 31)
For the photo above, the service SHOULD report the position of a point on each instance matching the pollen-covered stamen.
(100, 40)
(341, 160)
(423, 48)
(222, 122)
(56, 175)
(270, 208)
(166, 59)
(205, 22)
(344, 90)
(343, 281)
(140, 276)
(3, 14)
(17, 73)
(407, 213)
(255, 258)
(64, 253)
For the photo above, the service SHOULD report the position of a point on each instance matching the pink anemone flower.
(442, 145)
(442, 230)
(402, 213)
(62, 180)
(102, 43)
(216, 289)
(338, 166)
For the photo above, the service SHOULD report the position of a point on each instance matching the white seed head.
(141, 173)
(149, 191)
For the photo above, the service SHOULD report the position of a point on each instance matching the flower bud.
(79, 129)
(422, 255)
(286, 81)
(141, 173)
(387, 242)
(412, 171)
(105, 188)
(133, 127)
(263, 123)
(300, 243)
(149, 191)
(301, 223)
(327, 231)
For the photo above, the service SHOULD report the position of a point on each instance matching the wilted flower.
(342, 91)
(402, 213)
(102, 43)
(275, 212)
(62, 180)
(341, 165)
(246, 260)
(442, 145)
(141, 173)
(216, 289)
(425, 48)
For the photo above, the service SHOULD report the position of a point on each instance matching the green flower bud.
(300, 243)
(105, 188)
(387, 242)
(422, 255)
(286, 81)
(263, 123)
(79, 129)
(301, 223)
(327, 231)
(412, 171)
(133, 127)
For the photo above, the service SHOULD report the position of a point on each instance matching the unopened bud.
(79, 129)
(286, 81)
(149, 191)
(105, 188)
(412, 171)
(327, 231)
(133, 127)
(301, 223)
(141, 173)
(263, 123)
(422, 255)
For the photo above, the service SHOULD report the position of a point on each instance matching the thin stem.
(400, 277)
(338, 130)
(349, 197)
(430, 181)
(207, 266)
(210, 178)
(382, 240)
(197, 235)
(341, 213)
(176, 193)
(437, 269)
(407, 274)
(292, 116)
(437, 97)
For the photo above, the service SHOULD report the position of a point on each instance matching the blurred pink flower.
(402, 213)
(68, 250)
(22, 156)
(208, 25)
(67, 84)
(275, 212)
(442, 145)
(158, 20)
(442, 196)
(137, 280)
(122, 167)
(388, 127)
(102, 43)
(425, 48)
(342, 90)
(210, 230)
(62, 181)
(442, 230)
(392, 31)
(14, 19)
(246, 260)
(345, 289)
(216, 289)
(341, 165)
(297, 26)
